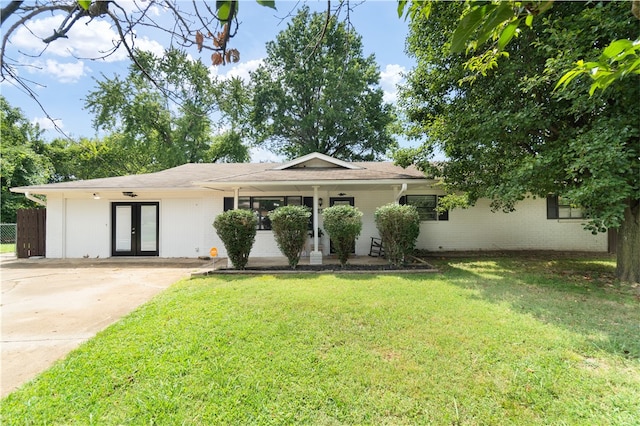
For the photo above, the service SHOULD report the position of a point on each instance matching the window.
(262, 206)
(426, 205)
(562, 208)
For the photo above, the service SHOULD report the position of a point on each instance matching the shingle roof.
(194, 176)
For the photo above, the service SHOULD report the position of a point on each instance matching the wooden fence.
(31, 233)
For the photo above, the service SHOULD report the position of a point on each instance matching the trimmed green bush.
(343, 224)
(399, 227)
(237, 230)
(289, 225)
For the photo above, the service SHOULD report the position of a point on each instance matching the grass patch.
(489, 341)
(7, 248)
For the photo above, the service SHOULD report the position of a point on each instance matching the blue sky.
(67, 78)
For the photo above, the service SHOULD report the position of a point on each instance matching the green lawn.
(7, 248)
(488, 341)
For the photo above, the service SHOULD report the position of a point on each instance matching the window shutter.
(228, 203)
(552, 207)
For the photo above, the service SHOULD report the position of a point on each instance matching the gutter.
(35, 199)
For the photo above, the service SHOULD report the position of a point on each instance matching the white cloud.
(69, 72)
(86, 39)
(47, 124)
(241, 70)
(390, 77)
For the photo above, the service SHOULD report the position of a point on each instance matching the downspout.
(399, 194)
(35, 199)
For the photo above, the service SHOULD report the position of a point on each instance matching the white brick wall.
(527, 228)
(81, 226)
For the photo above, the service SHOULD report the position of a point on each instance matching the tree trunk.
(628, 250)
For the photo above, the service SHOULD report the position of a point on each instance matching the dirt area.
(50, 307)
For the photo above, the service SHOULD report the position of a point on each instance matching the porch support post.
(315, 257)
(236, 193)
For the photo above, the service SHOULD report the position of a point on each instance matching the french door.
(341, 201)
(135, 229)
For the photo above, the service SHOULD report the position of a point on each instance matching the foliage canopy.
(320, 95)
(510, 135)
(23, 160)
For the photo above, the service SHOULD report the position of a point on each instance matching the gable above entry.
(317, 160)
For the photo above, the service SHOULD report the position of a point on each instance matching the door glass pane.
(148, 221)
(123, 228)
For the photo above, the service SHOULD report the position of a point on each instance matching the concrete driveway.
(50, 306)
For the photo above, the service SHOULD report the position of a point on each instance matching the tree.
(91, 159)
(320, 97)
(486, 28)
(234, 103)
(509, 135)
(168, 125)
(195, 24)
(22, 159)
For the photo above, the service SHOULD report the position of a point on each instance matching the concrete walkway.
(51, 306)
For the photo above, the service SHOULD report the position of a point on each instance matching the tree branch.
(22, 21)
(8, 10)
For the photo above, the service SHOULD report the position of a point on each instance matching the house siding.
(527, 228)
(78, 227)
(55, 226)
(88, 232)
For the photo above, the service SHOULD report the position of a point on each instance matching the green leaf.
(529, 21)
(267, 3)
(616, 47)
(508, 33)
(224, 9)
(401, 6)
(84, 4)
(468, 25)
(568, 77)
(503, 13)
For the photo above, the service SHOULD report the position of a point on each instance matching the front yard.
(524, 340)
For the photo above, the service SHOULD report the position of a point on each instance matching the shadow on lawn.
(581, 295)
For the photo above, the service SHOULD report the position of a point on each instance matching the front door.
(135, 229)
(341, 201)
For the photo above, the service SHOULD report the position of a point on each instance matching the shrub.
(237, 230)
(343, 224)
(399, 227)
(289, 225)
